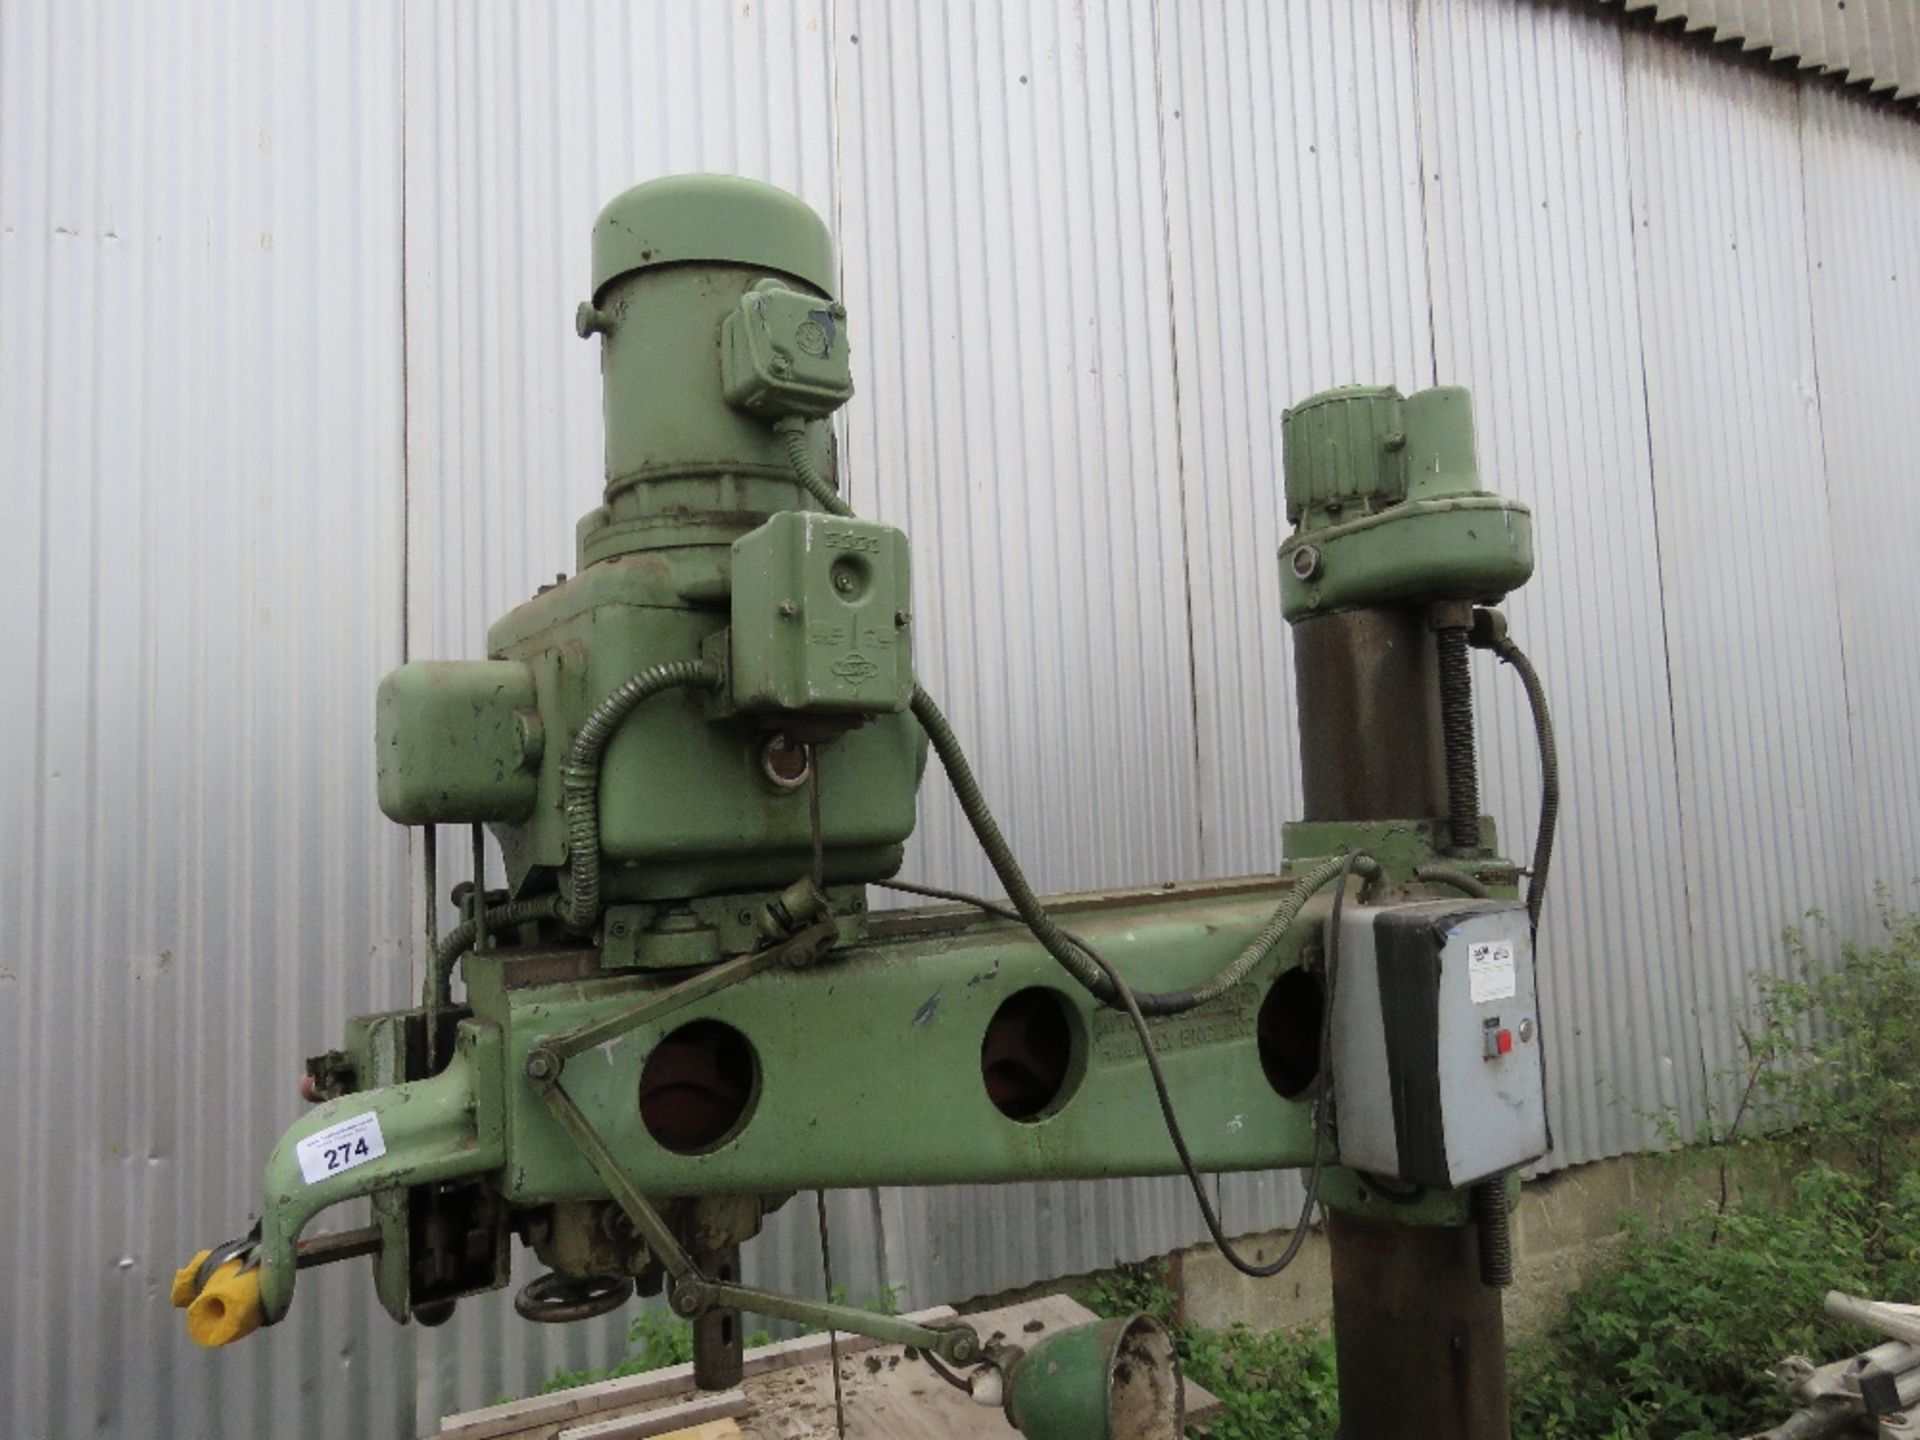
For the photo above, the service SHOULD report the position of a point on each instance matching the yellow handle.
(185, 1279)
(228, 1306)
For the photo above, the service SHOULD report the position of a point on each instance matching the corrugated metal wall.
(201, 563)
(1861, 175)
(999, 222)
(288, 390)
(1293, 216)
(1769, 804)
(1533, 262)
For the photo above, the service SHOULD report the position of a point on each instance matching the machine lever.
(692, 1293)
(796, 953)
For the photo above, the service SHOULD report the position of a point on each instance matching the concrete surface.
(1566, 1226)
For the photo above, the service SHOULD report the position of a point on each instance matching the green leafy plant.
(1140, 1289)
(655, 1340)
(1674, 1340)
(1275, 1386)
(886, 1302)
(1837, 1054)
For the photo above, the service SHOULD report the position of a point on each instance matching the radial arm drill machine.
(700, 750)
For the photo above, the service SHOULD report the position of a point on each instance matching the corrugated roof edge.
(1867, 45)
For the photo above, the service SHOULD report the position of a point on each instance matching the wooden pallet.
(787, 1394)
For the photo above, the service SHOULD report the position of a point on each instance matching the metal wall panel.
(1006, 262)
(200, 420)
(1529, 233)
(1293, 215)
(522, 122)
(1862, 196)
(1769, 813)
(1293, 198)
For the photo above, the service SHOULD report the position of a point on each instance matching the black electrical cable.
(1549, 777)
(1021, 894)
(986, 830)
(944, 1373)
(1466, 884)
(1322, 1107)
(1490, 633)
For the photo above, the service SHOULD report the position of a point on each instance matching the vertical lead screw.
(1456, 731)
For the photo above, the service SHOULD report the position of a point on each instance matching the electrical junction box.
(819, 619)
(784, 352)
(1437, 1072)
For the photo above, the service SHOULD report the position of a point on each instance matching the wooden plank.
(788, 1389)
(891, 1398)
(679, 1418)
(526, 1418)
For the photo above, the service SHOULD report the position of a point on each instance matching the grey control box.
(1437, 1071)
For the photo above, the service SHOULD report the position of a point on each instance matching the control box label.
(339, 1148)
(1490, 971)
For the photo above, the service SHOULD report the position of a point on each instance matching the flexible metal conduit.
(794, 432)
(459, 940)
(580, 777)
(580, 797)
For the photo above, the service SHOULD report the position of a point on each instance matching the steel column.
(1367, 686)
(1421, 1343)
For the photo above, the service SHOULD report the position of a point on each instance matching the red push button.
(1504, 1042)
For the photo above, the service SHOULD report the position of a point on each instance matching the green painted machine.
(699, 751)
